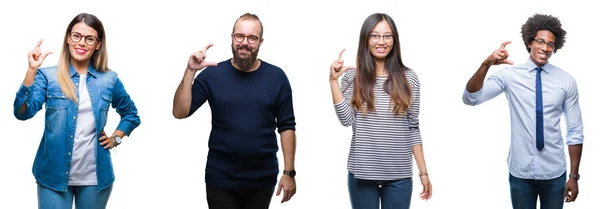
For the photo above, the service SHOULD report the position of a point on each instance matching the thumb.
(45, 55)
(508, 62)
(279, 187)
(210, 64)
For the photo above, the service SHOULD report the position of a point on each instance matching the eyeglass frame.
(542, 42)
(379, 37)
(245, 38)
(83, 37)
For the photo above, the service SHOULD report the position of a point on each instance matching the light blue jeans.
(86, 197)
(365, 194)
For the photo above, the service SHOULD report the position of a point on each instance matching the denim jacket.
(53, 159)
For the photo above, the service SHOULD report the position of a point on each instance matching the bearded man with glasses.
(249, 99)
(538, 94)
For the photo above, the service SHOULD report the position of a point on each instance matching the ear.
(260, 42)
(98, 45)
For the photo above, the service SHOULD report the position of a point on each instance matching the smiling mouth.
(81, 51)
(380, 49)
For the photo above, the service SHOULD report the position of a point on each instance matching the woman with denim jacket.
(73, 160)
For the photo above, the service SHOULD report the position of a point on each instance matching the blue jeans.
(365, 194)
(524, 192)
(86, 197)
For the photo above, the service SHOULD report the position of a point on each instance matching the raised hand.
(500, 56)
(197, 62)
(337, 67)
(35, 56)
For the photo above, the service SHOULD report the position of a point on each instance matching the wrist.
(290, 173)
(574, 176)
(423, 173)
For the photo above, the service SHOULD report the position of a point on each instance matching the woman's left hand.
(106, 141)
(427, 191)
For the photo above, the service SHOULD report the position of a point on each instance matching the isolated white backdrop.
(162, 164)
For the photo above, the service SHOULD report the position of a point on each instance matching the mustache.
(244, 47)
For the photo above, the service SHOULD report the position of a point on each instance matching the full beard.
(244, 63)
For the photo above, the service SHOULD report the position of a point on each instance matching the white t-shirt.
(83, 161)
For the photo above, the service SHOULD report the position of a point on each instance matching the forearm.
(575, 157)
(183, 96)
(29, 77)
(419, 158)
(288, 145)
(336, 92)
(476, 82)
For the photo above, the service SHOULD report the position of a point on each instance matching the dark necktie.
(539, 111)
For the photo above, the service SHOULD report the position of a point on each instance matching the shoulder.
(109, 77)
(272, 69)
(210, 72)
(48, 71)
(562, 74)
(511, 70)
(350, 73)
(412, 77)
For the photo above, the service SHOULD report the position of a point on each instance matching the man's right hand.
(197, 62)
(500, 56)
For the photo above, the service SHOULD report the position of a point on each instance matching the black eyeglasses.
(386, 38)
(89, 39)
(240, 38)
(540, 42)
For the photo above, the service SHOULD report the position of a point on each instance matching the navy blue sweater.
(246, 109)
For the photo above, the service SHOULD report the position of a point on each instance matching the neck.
(80, 67)
(380, 68)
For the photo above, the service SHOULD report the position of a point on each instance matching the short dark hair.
(251, 17)
(539, 22)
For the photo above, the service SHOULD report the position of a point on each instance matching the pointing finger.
(504, 44)
(39, 44)
(508, 62)
(341, 53)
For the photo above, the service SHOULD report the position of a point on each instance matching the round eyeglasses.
(89, 39)
(240, 38)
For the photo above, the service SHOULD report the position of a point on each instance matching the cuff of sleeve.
(574, 141)
(23, 94)
(340, 103)
(471, 98)
(285, 128)
(416, 138)
(126, 127)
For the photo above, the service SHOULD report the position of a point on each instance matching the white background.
(162, 164)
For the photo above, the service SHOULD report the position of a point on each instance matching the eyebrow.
(386, 33)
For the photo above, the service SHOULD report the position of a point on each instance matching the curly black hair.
(543, 22)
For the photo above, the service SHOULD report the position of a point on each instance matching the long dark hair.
(396, 85)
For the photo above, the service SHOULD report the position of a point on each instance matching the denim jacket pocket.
(106, 101)
(56, 100)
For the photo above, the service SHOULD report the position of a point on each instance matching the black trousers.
(238, 198)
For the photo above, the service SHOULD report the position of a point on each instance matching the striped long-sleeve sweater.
(381, 147)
